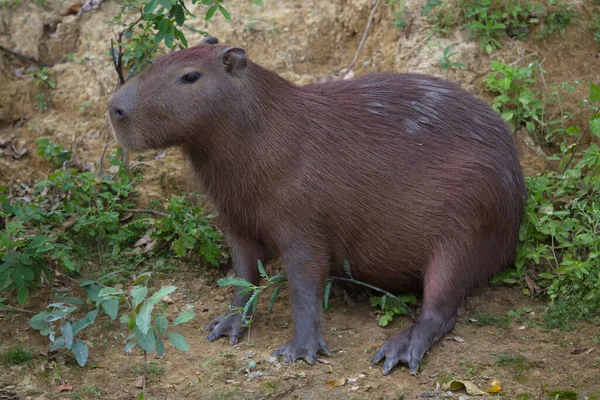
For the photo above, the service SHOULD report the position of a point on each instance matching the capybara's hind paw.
(400, 349)
(307, 352)
(226, 325)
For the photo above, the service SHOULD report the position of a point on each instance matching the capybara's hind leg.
(442, 295)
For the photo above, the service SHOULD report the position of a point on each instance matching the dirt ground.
(306, 42)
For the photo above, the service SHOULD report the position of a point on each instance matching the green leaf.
(22, 295)
(161, 324)
(178, 341)
(130, 346)
(224, 12)
(158, 296)
(144, 340)
(184, 317)
(67, 332)
(160, 347)
(166, 4)
(138, 294)
(210, 12)
(148, 8)
(38, 322)
(58, 344)
(80, 352)
(594, 92)
(111, 307)
(144, 317)
(179, 15)
(234, 281)
(595, 126)
(326, 294)
(383, 320)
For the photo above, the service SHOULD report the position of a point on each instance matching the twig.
(415, 47)
(364, 36)
(24, 57)
(145, 373)
(352, 280)
(106, 144)
(5, 307)
(587, 128)
(153, 212)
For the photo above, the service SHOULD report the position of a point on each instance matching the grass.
(490, 320)
(154, 370)
(17, 356)
(564, 314)
(87, 391)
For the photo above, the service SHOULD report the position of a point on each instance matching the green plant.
(159, 21)
(389, 307)
(41, 79)
(275, 282)
(484, 22)
(399, 13)
(16, 356)
(442, 16)
(596, 27)
(516, 101)
(558, 20)
(187, 227)
(446, 62)
(54, 153)
(518, 313)
(559, 237)
(482, 319)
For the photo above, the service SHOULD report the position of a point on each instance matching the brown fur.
(411, 179)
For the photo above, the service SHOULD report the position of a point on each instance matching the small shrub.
(558, 20)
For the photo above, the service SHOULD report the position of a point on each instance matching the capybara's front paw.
(405, 347)
(229, 324)
(305, 351)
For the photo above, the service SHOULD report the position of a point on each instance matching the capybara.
(409, 178)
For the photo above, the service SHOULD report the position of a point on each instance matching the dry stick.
(24, 57)
(415, 47)
(106, 144)
(153, 212)
(378, 290)
(364, 36)
(145, 373)
(587, 128)
(5, 307)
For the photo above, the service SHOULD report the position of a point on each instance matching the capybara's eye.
(191, 77)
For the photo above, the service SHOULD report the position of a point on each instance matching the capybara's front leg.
(306, 273)
(245, 257)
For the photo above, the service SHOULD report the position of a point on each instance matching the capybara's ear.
(234, 59)
(209, 40)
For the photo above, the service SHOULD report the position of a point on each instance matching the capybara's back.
(408, 178)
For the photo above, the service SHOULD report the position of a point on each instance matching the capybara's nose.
(117, 111)
(119, 105)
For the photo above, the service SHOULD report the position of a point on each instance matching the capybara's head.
(179, 97)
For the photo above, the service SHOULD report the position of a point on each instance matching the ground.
(305, 42)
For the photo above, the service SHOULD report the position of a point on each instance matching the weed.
(516, 101)
(17, 356)
(399, 13)
(518, 313)
(42, 80)
(517, 363)
(558, 20)
(490, 320)
(446, 62)
(153, 370)
(562, 394)
(596, 27)
(389, 307)
(55, 153)
(86, 390)
(484, 22)
(442, 16)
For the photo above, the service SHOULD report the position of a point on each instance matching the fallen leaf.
(494, 387)
(139, 381)
(469, 387)
(17, 151)
(73, 9)
(522, 327)
(532, 286)
(333, 383)
(582, 350)
(65, 388)
(458, 339)
(323, 361)
(355, 388)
